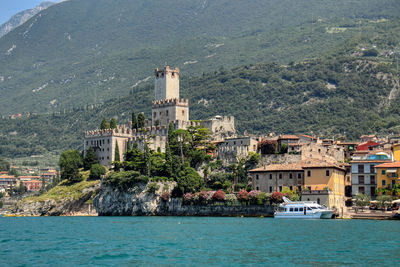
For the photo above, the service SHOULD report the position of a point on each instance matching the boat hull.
(315, 215)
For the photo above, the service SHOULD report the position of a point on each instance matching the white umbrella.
(397, 201)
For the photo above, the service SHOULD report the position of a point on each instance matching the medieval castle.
(167, 108)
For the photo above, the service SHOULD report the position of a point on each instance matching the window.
(108, 157)
(300, 209)
(361, 189)
(280, 176)
(257, 177)
(290, 188)
(270, 176)
(360, 168)
(257, 188)
(383, 172)
(87, 143)
(154, 114)
(291, 209)
(108, 141)
(299, 176)
(393, 182)
(296, 209)
(280, 188)
(299, 188)
(166, 112)
(290, 177)
(372, 178)
(373, 190)
(383, 182)
(308, 173)
(361, 179)
(270, 189)
(327, 173)
(309, 188)
(372, 168)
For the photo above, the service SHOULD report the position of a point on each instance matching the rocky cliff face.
(57, 207)
(21, 17)
(135, 201)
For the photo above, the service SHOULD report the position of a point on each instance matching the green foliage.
(96, 171)
(189, 180)
(113, 123)
(104, 124)
(89, 159)
(384, 201)
(70, 162)
(283, 149)
(370, 53)
(116, 153)
(362, 200)
(141, 120)
(125, 179)
(4, 165)
(152, 187)
(134, 120)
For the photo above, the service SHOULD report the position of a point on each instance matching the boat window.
(308, 208)
(314, 208)
(300, 209)
(291, 209)
(296, 209)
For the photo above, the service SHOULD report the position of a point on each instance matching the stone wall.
(139, 202)
(279, 159)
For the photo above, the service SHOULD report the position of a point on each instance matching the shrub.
(188, 197)
(219, 195)
(203, 196)
(152, 187)
(243, 196)
(165, 196)
(261, 198)
(125, 179)
(96, 171)
(253, 194)
(277, 197)
(230, 198)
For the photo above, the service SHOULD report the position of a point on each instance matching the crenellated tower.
(167, 106)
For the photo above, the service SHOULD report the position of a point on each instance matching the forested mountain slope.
(89, 51)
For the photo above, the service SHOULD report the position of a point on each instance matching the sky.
(9, 8)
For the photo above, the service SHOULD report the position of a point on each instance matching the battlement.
(167, 71)
(171, 102)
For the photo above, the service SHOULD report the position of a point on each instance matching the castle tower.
(167, 106)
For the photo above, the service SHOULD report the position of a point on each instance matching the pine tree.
(140, 120)
(134, 121)
(89, 159)
(104, 124)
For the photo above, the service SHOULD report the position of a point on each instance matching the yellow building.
(325, 183)
(396, 152)
(388, 174)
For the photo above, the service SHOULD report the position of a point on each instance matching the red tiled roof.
(7, 177)
(395, 164)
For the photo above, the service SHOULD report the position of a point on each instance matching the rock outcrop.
(56, 207)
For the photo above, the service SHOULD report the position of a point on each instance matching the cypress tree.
(134, 121)
(116, 153)
(89, 159)
(168, 160)
(140, 120)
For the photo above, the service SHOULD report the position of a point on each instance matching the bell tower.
(167, 106)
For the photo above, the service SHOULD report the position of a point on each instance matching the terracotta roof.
(288, 136)
(347, 143)
(279, 167)
(32, 181)
(7, 177)
(307, 136)
(395, 164)
(30, 177)
(320, 164)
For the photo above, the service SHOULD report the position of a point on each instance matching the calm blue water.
(196, 241)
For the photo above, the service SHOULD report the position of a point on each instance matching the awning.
(397, 201)
(391, 170)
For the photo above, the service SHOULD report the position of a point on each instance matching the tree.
(362, 200)
(134, 120)
(168, 160)
(96, 171)
(140, 120)
(104, 124)
(70, 162)
(113, 123)
(384, 201)
(4, 165)
(89, 159)
(116, 153)
(283, 149)
(189, 180)
(134, 160)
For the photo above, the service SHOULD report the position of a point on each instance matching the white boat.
(302, 210)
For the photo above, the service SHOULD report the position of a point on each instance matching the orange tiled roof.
(395, 164)
(7, 177)
(30, 177)
(288, 136)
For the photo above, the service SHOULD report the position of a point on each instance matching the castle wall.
(166, 84)
(220, 127)
(166, 111)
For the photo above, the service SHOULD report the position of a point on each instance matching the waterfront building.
(233, 149)
(274, 177)
(364, 175)
(388, 174)
(7, 181)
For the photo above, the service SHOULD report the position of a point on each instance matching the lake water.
(196, 241)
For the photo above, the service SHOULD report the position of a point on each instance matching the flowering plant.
(203, 195)
(219, 195)
(230, 197)
(276, 197)
(188, 197)
(243, 195)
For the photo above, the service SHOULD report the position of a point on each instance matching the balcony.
(316, 192)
